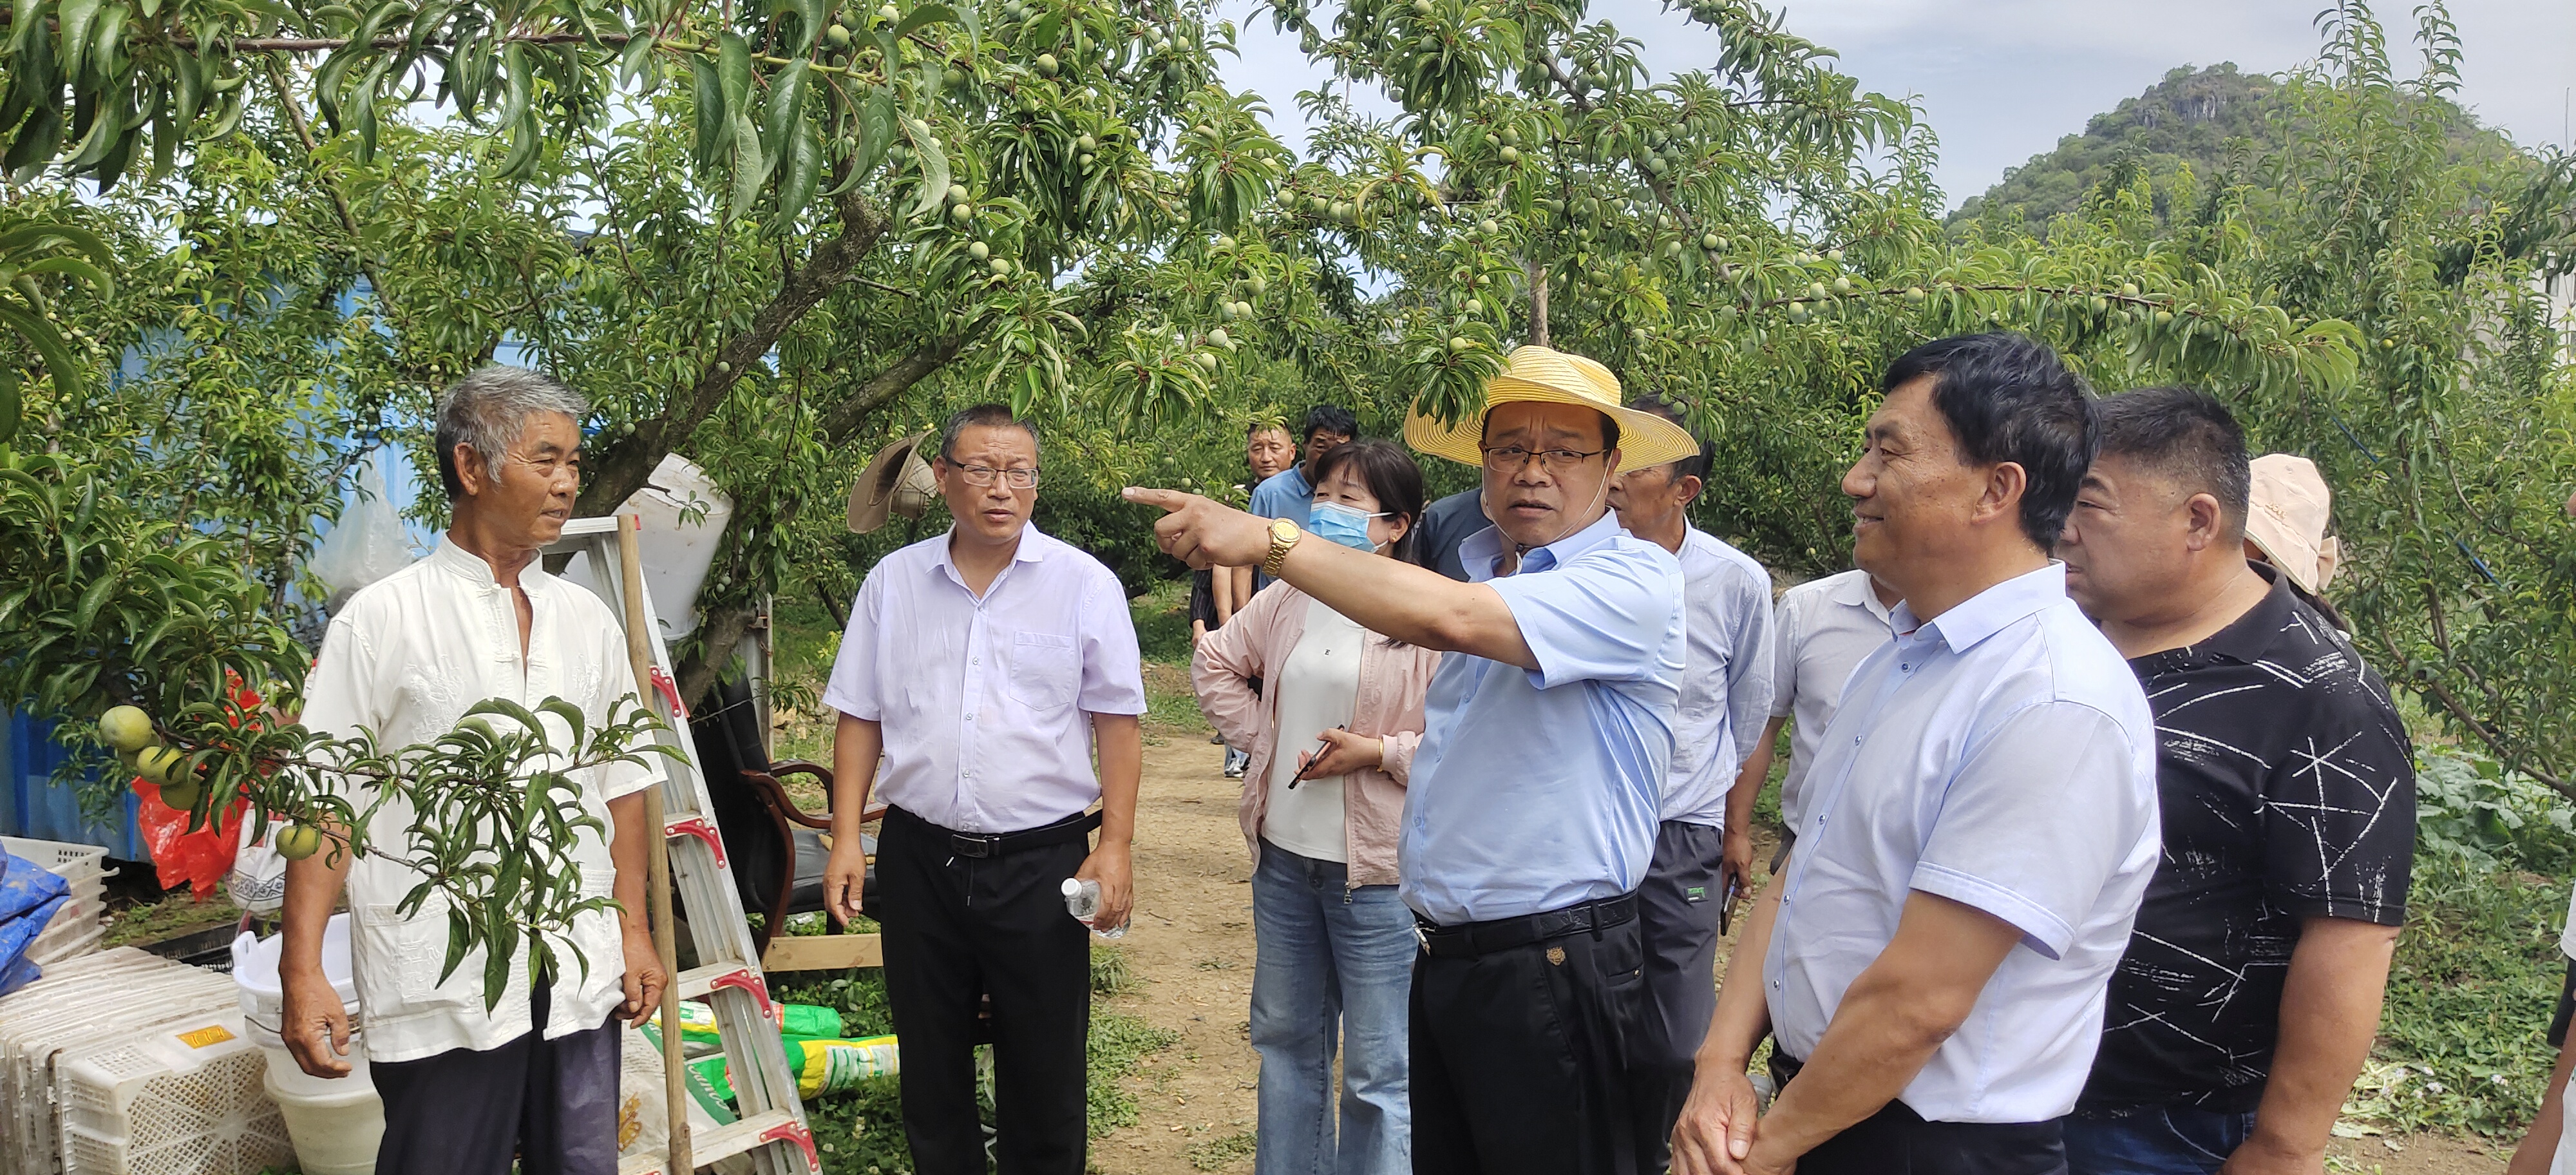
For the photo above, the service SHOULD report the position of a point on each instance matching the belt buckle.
(970, 845)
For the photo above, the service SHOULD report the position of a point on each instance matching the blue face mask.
(1342, 524)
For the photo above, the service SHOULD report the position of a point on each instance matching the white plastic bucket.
(335, 1133)
(335, 1121)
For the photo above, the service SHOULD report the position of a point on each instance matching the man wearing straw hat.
(1532, 811)
(2246, 1001)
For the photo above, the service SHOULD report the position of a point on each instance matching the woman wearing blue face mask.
(1332, 740)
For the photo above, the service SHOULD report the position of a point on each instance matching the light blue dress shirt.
(1726, 695)
(2000, 755)
(1539, 789)
(1284, 494)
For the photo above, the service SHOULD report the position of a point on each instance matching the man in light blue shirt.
(1683, 905)
(1290, 493)
(1532, 810)
(1980, 819)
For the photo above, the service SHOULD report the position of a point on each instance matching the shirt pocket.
(1046, 670)
(402, 957)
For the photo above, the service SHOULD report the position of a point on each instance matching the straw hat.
(2286, 517)
(895, 481)
(1540, 375)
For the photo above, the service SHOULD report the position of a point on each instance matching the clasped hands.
(1718, 1132)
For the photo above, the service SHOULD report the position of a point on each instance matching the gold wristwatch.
(1283, 535)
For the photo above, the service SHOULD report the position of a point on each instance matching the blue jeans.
(2153, 1140)
(1330, 957)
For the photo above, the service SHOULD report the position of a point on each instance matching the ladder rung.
(697, 983)
(700, 829)
(707, 1146)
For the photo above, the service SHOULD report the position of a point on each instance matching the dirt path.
(1192, 941)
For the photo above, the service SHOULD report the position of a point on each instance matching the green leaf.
(75, 17)
(798, 176)
(750, 167)
(784, 110)
(926, 14)
(713, 123)
(934, 167)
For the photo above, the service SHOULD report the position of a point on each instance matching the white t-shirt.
(1318, 685)
(1826, 628)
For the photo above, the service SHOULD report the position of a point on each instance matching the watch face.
(1282, 529)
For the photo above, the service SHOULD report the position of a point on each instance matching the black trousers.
(1897, 1141)
(1677, 908)
(1521, 1059)
(959, 928)
(465, 1111)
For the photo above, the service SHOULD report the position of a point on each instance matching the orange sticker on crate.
(211, 1034)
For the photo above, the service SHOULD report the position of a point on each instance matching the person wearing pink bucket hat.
(2285, 521)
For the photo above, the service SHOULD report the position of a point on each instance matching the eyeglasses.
(981, 476)
(1510, 458)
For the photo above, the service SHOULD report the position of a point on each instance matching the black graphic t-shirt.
(2288, 792)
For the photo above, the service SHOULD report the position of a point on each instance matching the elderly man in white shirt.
(984, 668)
(1980, 823)
(536, 1075)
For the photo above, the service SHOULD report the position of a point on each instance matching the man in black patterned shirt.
(2247, 999)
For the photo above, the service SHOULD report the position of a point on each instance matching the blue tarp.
(29, 895)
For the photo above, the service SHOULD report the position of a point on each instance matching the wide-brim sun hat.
(896, 481)
(2285, 515)
(1541, 375)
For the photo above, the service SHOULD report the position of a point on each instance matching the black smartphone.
(1726, 908)
(1320, 746)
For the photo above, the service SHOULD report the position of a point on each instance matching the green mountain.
(2186, 118)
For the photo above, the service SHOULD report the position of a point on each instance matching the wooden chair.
(796, 885)
(777, 850)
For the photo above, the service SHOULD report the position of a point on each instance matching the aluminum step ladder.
(772, 1129)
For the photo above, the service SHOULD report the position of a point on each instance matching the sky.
(2002, 80)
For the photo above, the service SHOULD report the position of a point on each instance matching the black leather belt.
(1475, 939)
(994, 844)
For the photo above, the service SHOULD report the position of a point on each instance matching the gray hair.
(486, 411)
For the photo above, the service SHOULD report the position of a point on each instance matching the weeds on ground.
(861, 1131)
(2478, 969)
(1217, 1154)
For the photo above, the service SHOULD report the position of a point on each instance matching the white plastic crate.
(81, 922)
(80, 1003)
(183, 1099)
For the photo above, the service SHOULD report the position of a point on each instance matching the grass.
(2476, 976)
(171, 915)
(1217, 1154)
(861, 1131)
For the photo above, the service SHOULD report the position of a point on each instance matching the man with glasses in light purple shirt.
(987, 666)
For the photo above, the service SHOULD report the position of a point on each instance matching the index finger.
(1164, 500)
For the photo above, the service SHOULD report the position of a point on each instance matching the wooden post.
(657, 858)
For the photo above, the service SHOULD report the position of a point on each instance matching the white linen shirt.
(1827, 627)
(2001, 755)
(404, 659)
(984, 703)
(1726, 691)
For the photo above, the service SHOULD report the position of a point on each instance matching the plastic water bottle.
(1082, 900)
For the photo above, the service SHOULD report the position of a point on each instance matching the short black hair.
(1392, 478)
(980, 416)
(1332, 418)
(2184, 435)
(2009, 398)
(1697, 464)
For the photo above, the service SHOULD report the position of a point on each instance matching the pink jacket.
(1393, 680)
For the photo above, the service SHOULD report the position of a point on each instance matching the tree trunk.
(1538, 304)
(624, 466)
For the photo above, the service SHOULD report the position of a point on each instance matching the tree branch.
(624, 467)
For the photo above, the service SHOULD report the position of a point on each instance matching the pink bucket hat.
(2286, 517)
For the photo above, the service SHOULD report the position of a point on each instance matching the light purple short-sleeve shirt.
(986, 703)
